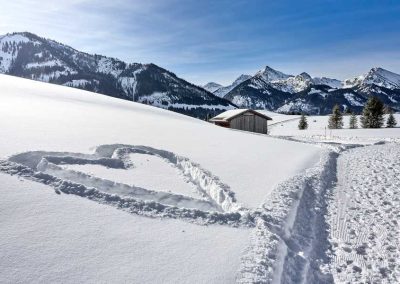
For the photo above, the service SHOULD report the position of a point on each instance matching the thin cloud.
(219, 40)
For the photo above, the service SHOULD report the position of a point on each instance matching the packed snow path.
(364, 216)
(290, 242)
(335, 223)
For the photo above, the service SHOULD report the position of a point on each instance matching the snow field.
(224, 206)
(51, 238)
(318, 131)
(38, 116)
(64, 158)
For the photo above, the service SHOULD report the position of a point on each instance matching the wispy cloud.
(218, 40)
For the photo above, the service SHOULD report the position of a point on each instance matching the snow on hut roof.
(230, 114)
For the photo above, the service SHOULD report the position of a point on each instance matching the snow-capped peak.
(16, 37)
(269, 74)
(222, 91)
(304, 76)
(377, 76)
(293, 84)
(9, 48)
(333, 83)
(212, 86)
(241, 79)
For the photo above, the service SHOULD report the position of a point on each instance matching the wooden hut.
(243, 119)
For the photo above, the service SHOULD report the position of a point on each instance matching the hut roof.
(230, 114)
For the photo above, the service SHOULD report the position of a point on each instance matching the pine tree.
(391, 121)
(353, 121)
(336, 118)
(303, 124)
(372, 116)
(387, 109)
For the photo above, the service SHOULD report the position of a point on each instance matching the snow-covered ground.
(318, 130)
(96, 189)
(51, 238)
(361, 208)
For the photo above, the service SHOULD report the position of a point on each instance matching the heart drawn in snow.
(68, 173)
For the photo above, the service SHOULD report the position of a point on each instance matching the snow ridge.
(377, 76)
(222, 91)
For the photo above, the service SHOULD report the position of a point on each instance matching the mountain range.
(30, 56)
(274, 90)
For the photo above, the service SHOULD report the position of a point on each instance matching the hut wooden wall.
(250, 122)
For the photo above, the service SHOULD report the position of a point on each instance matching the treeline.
(372, 117)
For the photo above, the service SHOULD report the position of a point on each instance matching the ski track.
(285, 247)
(335, 223)
(364, 214)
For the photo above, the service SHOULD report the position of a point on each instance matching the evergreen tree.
(387, 109)
(353, 121)
(303, 124)
(336, 118)
(372, 116)
(391, 121)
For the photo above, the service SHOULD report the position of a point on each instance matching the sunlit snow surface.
(318, 130)
(147, 171)
(98, 234)
(96, 189)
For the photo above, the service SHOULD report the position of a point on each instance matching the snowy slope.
(48, 238)
(270, 75)
(320, 99)
(377, 76)
(30, 56)
(48, 235)
(223, 90)
(293, 84)
(212, 87)
(333, 83)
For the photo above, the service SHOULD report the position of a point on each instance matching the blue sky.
(202, 40)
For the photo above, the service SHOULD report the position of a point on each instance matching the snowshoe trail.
(335, 223)
(290, 244)
(364, 216)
